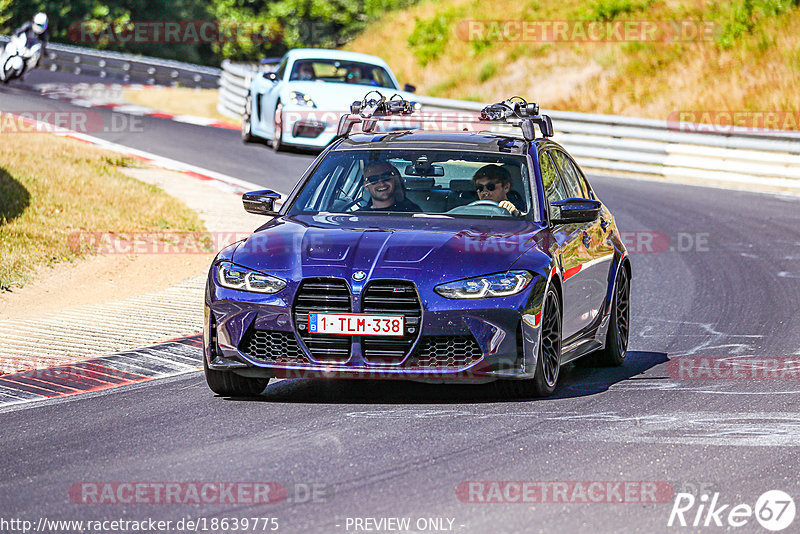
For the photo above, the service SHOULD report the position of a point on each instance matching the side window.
(576, 183)
(553, 187)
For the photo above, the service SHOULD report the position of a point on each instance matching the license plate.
(360, 324)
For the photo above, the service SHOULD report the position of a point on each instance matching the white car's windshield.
(339, 71)
(418, 182)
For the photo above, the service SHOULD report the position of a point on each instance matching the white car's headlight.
(492, 285)
(236, 277)
(301, 99)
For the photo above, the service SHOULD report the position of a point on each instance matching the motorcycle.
(17, 58)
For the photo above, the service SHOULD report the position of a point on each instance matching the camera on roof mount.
(381, 106)
(515, 107)
(516, 110)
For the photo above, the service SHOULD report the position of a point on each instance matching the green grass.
(52, 188)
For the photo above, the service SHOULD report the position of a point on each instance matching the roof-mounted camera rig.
(518, 111)
(515, 111)
(367, 110)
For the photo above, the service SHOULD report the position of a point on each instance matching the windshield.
(334, 70)
(418, 183)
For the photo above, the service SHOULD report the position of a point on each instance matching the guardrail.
(234, 84)
(627, 144)
(126, 68)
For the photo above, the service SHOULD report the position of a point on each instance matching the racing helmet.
(39, 23)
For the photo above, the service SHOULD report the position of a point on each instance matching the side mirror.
(409, 88)
(271, 76)
(261, 202)
(575, 210)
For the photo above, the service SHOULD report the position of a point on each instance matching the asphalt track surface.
(728, 289)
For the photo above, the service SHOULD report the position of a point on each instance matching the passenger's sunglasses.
(491, 186)
(385, 177)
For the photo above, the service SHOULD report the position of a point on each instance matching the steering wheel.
(485, 203)
(494, 206)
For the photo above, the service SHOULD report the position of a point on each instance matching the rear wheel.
(229, 384)
(619, 327)
(548, 364)
(277, 134)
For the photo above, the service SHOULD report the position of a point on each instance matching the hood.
(436, 250)
(330, 96)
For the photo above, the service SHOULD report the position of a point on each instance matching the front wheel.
(548, 364)
(277, 134)
(247, 129)
(229, 384)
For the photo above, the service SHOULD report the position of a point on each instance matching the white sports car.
(300, 102)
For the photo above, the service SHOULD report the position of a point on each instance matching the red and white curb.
(163, 360)
(110, 97)
(123, 368)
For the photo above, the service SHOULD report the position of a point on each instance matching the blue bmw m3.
(422, 254)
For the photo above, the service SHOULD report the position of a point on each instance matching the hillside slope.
(740, 55)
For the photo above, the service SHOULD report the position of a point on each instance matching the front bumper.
(458, 341)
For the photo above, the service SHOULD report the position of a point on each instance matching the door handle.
(587, 241)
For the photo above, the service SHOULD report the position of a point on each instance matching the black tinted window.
(423, 182)
(574, 180)
(553, 187)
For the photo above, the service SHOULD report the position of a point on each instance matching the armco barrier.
(628, 144)
(126, 68)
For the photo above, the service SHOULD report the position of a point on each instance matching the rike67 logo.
(774, 510)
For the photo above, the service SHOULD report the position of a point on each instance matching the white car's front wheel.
(277, 135)
(247, 129)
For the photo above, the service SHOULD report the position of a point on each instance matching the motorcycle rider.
(35, 31)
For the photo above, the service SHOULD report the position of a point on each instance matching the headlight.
(492, 285)
(235, 277)
(301, 99)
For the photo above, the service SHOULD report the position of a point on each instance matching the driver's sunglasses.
(385, 177)
(491, 186)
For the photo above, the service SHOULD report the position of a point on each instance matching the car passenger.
(382, 181)
(493, 182)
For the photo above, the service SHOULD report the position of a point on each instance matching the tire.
(616, 348)
(247, 135)
(545, 377)
(277, 134)
(229, 384)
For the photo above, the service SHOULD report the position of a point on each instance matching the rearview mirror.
(261, 202)
(271, 76)
(575, 210)
(409, 88)
(431, 170)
